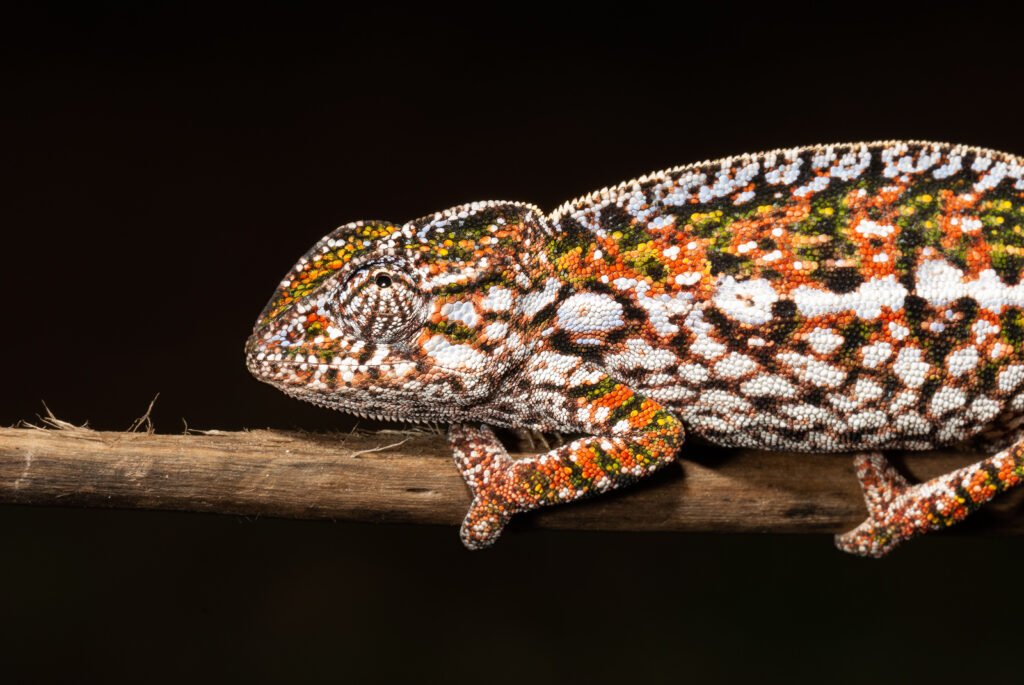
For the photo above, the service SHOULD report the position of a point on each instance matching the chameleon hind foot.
(898, 511)
(882, 486)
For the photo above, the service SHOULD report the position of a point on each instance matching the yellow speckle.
(1000, 220)
(617, 235)
(907, 211)
(764, 209)
(929, 224)
(925, 199)
(443, 252)
(827, 211)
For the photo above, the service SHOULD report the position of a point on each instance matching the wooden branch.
(409, 477)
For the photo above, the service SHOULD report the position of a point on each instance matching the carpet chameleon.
(832, 298)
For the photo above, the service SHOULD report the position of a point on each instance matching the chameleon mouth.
(359, 410)
(403, 417)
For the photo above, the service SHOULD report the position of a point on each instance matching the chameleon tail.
(899, 511)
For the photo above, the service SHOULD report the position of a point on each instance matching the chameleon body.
(833, 298)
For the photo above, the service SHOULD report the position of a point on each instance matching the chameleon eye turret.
(833, 298)
(379, 304)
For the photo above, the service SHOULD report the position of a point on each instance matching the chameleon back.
(824, 298)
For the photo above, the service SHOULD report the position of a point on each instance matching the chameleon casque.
(833, 298)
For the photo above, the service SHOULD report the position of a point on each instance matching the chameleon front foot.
(631, 436)
(486, 467)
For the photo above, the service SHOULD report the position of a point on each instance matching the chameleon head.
(414, 322)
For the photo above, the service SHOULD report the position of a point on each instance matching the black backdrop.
(162, 169)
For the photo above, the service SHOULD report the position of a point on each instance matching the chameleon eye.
(380, 304)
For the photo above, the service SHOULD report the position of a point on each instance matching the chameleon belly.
(823, 299)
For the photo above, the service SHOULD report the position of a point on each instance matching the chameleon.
(840, 298)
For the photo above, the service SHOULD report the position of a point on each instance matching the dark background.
(163, 168)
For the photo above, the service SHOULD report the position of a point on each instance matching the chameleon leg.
(635, 437)
(899, 511)
(484, 465)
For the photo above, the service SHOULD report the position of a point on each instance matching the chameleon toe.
(484, 523)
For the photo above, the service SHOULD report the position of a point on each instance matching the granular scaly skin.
(851, 297)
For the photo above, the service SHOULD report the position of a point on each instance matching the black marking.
(914, 308)
(841, 279)
(726, 263)
(929, 388)
(816, 396)
(784, 321)
(854, 335)
(1011, 324)
(726, 326)
(1008, 267)
(987, 375)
